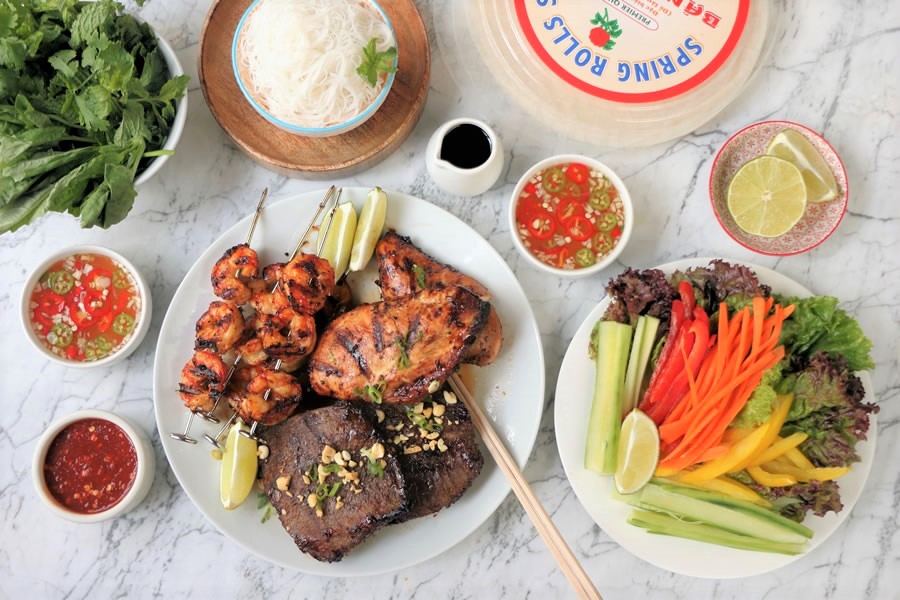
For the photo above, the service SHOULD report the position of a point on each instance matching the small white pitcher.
(462, 181)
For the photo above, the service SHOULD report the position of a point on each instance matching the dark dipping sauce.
(466, 146)
(90, 466)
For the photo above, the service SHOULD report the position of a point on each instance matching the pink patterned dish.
(820, 220)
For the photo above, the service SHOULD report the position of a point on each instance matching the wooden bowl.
(323, 157)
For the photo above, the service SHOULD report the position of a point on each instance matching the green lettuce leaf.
(818, 325)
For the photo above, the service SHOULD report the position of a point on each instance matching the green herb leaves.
(419, 273)
(262, 502)
(403, 346)
(372, 393)
(85, 101)
(375, 62)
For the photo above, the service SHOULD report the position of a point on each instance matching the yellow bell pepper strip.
(798, 459)
(770, 479)
(815, 474)
(735, 435)
(738, 454)
(781, 446)
(775, 423)
(779, 464)
(731, 488)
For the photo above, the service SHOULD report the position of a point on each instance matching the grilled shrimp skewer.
(307, 281)
(278, 333)
(216, 327)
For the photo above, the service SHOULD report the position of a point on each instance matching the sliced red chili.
(579, 228)
(577, 172)
(526, 208)
(105, 322)
(529, 189)
(96, 273)
(96, 305)
(568, 208)
(43, 320)
(81, 318)
(541, 225)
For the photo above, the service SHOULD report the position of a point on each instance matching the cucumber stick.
(613, 342)
(735, 503)
(763, 527)
(667, 525)
(641, 349)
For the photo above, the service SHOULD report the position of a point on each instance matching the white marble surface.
(835, 69)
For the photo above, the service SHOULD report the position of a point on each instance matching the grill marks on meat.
(433, 329)
(307, 282)
(397, 256)
(397, 260)
(434, 479)
(296, 444)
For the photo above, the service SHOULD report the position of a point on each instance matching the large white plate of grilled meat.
(413, 478)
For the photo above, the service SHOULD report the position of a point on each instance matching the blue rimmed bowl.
(329, 131)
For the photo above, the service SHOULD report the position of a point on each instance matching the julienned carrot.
(715, 452)
(694, 421)
(708, 431)
(746, 346)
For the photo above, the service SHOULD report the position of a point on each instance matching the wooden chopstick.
(569, 565)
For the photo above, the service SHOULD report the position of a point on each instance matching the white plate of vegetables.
(766, 418)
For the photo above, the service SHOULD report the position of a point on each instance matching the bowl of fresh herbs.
(92, 102)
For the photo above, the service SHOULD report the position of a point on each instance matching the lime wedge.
(638, 452)
(238, 468)
(340, 238)
(767, 196)
(371, 222)
(792, 146)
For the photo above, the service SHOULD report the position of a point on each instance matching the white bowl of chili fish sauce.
(86, 306)
(296, 61)
(570, 215)
(92, 466)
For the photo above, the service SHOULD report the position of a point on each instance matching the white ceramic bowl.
(331, 130)
(146, 466)
(143, 320)
(181, 106)
(593, 164)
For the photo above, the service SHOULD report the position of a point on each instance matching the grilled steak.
(399, 347)
(347, 517)
(403, 269)
(435, 478)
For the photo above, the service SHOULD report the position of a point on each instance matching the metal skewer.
(321, 244)
(209, 416)
(329, 195)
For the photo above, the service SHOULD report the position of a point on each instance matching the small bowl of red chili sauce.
(86, 306)
(92, 466)
(570, 215)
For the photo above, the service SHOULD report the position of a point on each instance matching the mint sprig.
(375, 62)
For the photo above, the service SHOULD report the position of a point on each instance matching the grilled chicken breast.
(403, 269)
(393, 351)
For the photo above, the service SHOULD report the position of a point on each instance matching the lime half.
(638, 452)
(339, 242)
(368, 230)
(238, 468)
(767, 196)
(792, 146)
